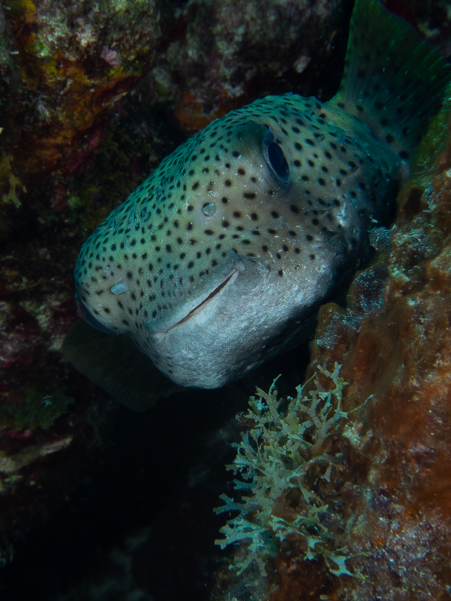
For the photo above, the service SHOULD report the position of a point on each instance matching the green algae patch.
(282, 460)
(34, 409)
(433, 143)
(10, 184)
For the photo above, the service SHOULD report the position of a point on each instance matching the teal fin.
(392, 79)
(115, 364)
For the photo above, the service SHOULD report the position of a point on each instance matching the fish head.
(214, 262)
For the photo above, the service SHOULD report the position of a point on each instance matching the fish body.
(230, 245)
(225, 252)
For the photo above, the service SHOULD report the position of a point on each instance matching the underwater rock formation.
(65, 69)
(226, 53)
(434, 21)
(387, 498)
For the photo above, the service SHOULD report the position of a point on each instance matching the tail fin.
(392, 79)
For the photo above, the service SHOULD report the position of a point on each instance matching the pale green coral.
(285, 451)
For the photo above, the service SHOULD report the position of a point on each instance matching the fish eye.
(275, 158)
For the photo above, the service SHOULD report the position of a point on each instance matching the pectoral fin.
(116, 364)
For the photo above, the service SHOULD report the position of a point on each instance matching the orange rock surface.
(394, 343)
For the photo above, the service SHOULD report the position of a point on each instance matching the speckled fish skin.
(215, 255)
(222, 254)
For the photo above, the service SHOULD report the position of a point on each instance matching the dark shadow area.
(142, 519)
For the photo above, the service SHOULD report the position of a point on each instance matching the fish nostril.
(275, 158)
(209, 209)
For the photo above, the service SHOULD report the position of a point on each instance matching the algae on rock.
(282, 458)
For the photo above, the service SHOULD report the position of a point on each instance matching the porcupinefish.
(229, 247)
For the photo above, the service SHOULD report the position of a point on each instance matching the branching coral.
(281, 460)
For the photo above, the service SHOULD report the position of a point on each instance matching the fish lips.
(202, 306)
(190, 351)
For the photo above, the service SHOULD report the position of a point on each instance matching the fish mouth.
(202, 304)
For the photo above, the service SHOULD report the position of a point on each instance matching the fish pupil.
(275, 158)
